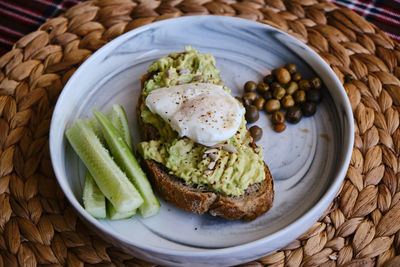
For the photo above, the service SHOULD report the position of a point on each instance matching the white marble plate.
(308, 161)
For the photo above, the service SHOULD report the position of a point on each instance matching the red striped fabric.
(384, 14)
(19, 17)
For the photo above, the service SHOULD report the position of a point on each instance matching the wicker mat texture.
(39, 227)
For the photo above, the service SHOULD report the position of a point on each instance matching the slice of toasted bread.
(256, 200)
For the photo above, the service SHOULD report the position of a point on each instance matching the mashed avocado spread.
(233, 172)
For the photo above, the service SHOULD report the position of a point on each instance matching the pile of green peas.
(284, 94)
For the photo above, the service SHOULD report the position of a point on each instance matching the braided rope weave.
(39, 227)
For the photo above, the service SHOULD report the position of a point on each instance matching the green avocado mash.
(233, 172)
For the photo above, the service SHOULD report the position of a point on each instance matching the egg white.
(203, 112)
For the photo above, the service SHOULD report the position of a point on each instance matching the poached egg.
(203, 112)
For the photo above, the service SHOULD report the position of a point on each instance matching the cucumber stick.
(117, 117)
(113, 214)
(108, 176)
(93, 199)
(128, 163)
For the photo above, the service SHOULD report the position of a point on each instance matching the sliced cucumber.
(128, 163)
(113, 214)
(117, 117)
(108, 176)
(93, 199)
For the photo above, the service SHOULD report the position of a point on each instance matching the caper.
(275, 85)
(279, 93)
(296, 77)
(278, 117)
(282, 75)
(291, 67)
(268, 79)
(287, 101)
(262, 87)
(238, 98)
(304, 85)
(246, 102)
(308, 108)
(272, 105)
(251, 114)
(314, 95)
(256, 132)
(259, 103)
(250, 86)
(251, 96)
(300, 97)
(267, 95)
(316, 83)
(279, 127)
(292, 87)
(294, 114)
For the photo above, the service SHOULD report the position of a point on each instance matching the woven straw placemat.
(39, 227)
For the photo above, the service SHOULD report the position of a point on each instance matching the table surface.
(20, 17)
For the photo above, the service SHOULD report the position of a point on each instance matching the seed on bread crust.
(208, 172)
(211, 165)
(229, 148)
(212, 150)
(213, 157)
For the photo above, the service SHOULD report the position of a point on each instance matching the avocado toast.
(229, 179)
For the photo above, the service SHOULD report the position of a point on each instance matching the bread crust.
(256, 200)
